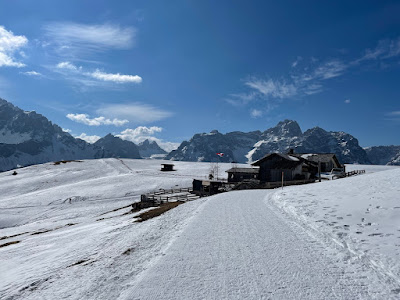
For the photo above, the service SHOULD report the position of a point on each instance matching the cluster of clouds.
(136, 135)
(85, 119)
(73, 40)
(304, 80)
(10, 46)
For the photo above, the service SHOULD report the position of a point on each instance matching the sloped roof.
(288, 162)
(318, 157)
(243, 170)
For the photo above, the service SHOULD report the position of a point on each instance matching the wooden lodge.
(167, 167)
(241, 174)
(293, 168)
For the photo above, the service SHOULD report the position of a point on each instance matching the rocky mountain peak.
(286, 128)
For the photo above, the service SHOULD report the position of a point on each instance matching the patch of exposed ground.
(65, 161)
(9, 243)
(157, 211)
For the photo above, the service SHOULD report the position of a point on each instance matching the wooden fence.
(355, 172)
(163, 195)
(273, 185)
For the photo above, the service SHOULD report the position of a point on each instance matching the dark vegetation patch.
(11, 236)
(79, 262)
(65, 161)
(34, 285)
(157, 211)
(14, 173)
(48, 230)
(107, 212)
(43, 231)
(128, 251)
(9, 243)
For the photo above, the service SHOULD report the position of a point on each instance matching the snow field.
(77, 239)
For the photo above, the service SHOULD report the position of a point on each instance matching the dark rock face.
(148, 148)
(28, 138)
(247, 147)
(117, 147)
(384, 155)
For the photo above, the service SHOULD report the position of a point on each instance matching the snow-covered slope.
(248, 147)
(384, 155)
(74, 237)
(68, 213)
(28, 138)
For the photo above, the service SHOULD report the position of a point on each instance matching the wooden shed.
(240, 174)
(293, 168)
(167, 167)
(206, 187)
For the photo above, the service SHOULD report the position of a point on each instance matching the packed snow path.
(239, 247)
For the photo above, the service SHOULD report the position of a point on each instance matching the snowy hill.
(149, 148)
(117, 147)
(28, 138)
(384, 155)
(247, 147)
(66, 231)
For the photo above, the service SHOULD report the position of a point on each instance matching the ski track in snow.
(240, 248)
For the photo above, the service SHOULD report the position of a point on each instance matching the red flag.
(220, 154)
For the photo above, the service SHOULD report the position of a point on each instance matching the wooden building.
(328, 161)
(241, 174)
(206, 187)
(293, 168)
(167, 167)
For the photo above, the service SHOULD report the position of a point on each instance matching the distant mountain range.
(248, 147)
(28, 138)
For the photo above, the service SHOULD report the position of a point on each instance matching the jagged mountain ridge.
(384, 155)
(148, 148)
(118, 147)
(247, 147)
(28, 138)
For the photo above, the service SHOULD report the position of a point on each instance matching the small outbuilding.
(206, 187)
(167, 167)
(273, 165)
(241, 174)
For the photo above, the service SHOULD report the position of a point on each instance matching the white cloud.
(31, 73)
(76, 74)
(9, 45)
(255, 113)
(142, 133)
(384, 50)
(139, 134)
(347, 101)
(91, 36)
(394, 113)
(67, 65)
(273, 88)
(134, 112)
(330, 69)
(84, 119)
(66, 130)
(119, 78)
(88, 138)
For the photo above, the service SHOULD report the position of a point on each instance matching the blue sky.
(170, 69)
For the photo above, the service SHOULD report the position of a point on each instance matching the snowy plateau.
(67, 232)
